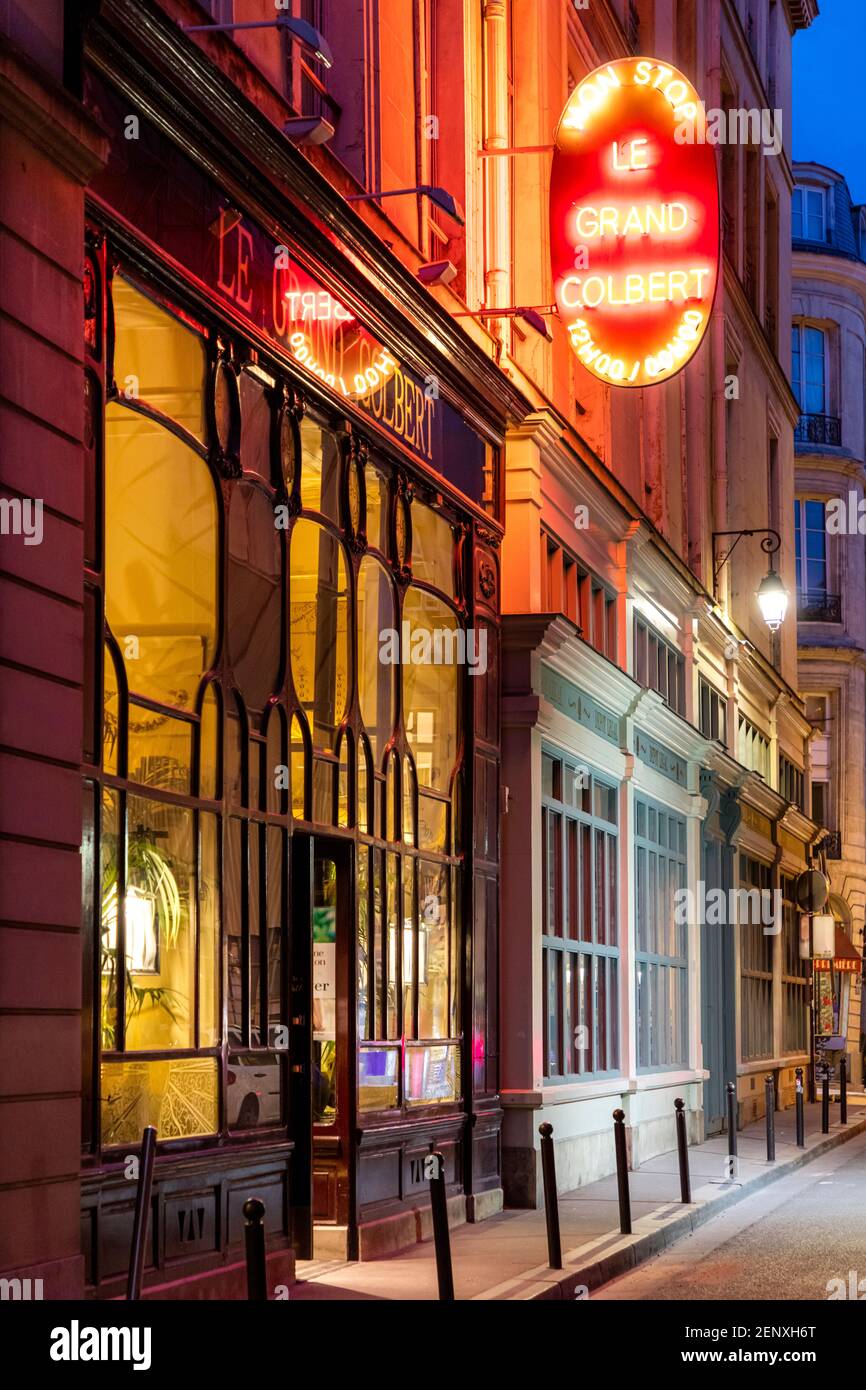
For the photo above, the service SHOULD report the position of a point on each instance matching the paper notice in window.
(324, 973)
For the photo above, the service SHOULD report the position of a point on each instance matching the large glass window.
(580, 920)
(756, 959)
(158, 919)
(661, 931)
(249, 679)
(795, 979)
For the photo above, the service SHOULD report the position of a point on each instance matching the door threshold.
(330, 1243)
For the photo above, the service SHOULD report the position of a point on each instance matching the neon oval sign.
(634, 222)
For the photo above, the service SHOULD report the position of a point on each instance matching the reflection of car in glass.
(253, 1095)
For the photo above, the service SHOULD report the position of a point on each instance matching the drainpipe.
(497, 171)
(719, 506)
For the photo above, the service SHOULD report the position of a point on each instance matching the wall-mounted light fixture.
(532, 316)
(771, 594)
(308, 130)
(298, 29)
(437, 272)
(439, 197)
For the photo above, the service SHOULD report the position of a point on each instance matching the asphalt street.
(787, 1241)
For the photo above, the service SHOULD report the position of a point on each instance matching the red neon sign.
(634, 222)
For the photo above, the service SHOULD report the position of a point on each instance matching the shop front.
(291, 746)
(599, 915)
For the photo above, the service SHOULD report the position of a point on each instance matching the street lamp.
(772, 600)
(772, 595)
(297, 29)
(440, 197)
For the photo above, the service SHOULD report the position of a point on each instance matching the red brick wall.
(48, 149)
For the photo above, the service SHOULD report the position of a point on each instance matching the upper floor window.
(659, 665)
(791, 781)
(567, 587)
(808, 368)
(810, 545)
(808, 214)
(753, 748)
(713, 712)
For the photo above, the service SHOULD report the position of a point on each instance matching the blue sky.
(829, 82)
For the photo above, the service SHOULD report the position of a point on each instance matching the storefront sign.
(660, 759)
(164, 195)
(634, 222)
(569, 700)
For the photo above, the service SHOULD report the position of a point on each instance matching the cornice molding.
(801, 13)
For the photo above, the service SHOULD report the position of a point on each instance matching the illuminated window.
(243, 689)
(319, 628)
(376, 678)
(431, 687)
(161, 557)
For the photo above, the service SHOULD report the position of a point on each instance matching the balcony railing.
(816, 606)
(833, 844)
(818, 429)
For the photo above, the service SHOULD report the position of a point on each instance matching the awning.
(845, 954)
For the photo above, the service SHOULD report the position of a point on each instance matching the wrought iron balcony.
(818, 429)
(833, 844)
(817, 606)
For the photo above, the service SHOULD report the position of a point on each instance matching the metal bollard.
(770, 1105)
(683, 1151)
(142, 1212)
(622, 1172)
(551, 1200)
(434, 1166)
(843, 1089)
(254, 1240)
(825, 1099)
(800, 1114)
(731, 1091)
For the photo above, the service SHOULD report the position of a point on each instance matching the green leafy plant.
(149, 870)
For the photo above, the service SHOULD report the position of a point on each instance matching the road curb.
(652, 1235)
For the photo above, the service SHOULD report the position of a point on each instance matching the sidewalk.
(505, 1257)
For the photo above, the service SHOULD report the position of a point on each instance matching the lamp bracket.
(770, 544)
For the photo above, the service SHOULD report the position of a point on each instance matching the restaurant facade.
(289, 774)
